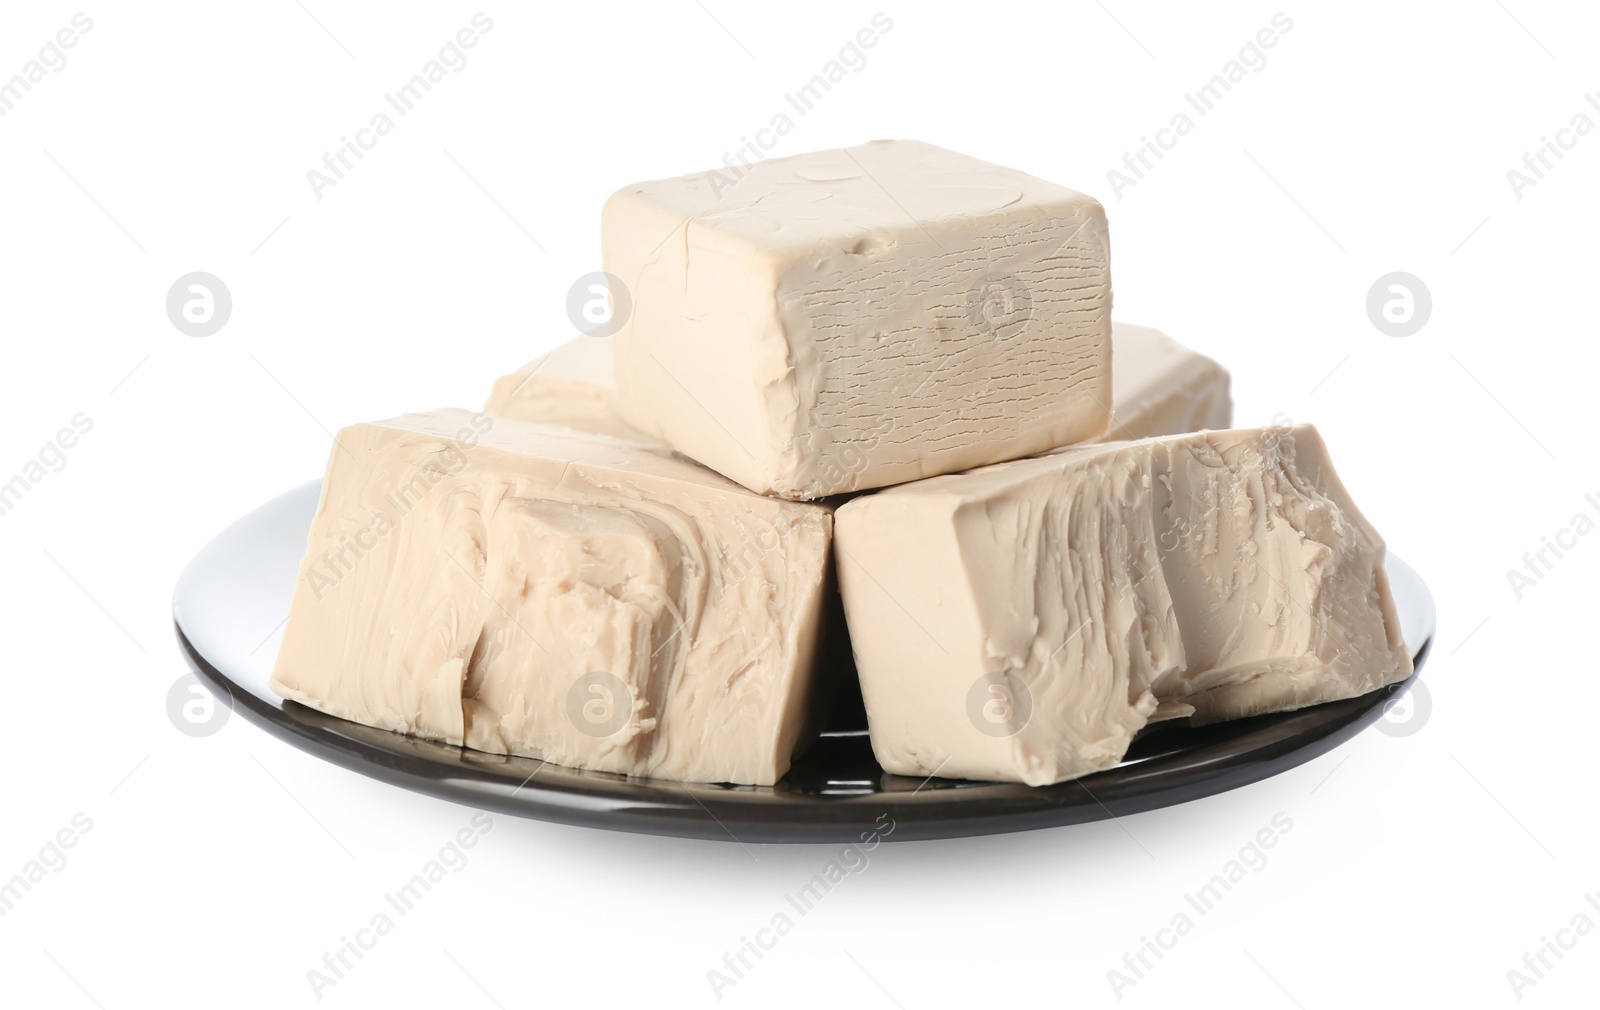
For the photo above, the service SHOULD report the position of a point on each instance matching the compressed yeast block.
(524, 589)
(1023, 621)
(570, 387)
(856, 318)
(1160, 387)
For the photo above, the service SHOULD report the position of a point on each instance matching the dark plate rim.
(1238, 753)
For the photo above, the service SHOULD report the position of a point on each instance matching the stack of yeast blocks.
(892, 360)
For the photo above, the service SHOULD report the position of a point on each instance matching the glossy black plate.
(232, 600)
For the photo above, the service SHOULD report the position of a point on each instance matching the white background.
(1377, 138)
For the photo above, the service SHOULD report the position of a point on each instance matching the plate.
(233, 599)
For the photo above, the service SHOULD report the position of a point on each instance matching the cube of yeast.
(1024, 620)
(1160, 387)
(862, 317)
(525, 589)
(570, 387)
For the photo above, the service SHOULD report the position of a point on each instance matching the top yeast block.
(857, 318)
